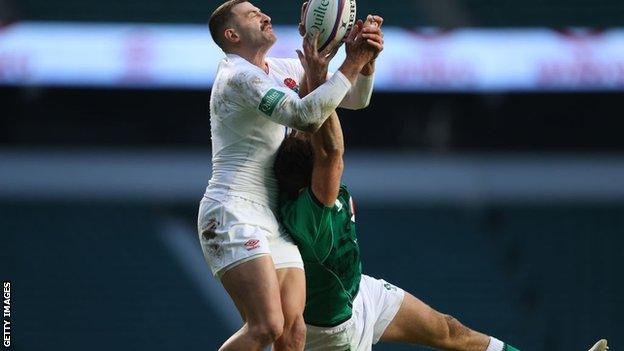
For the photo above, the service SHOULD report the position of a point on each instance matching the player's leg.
(236, 248)
(234, 230)
(417, 323)
(291, 278)
(292, 291)
(255, 290)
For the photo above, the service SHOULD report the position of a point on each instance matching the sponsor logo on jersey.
(292, 84)
(252, 244)
(270, 101)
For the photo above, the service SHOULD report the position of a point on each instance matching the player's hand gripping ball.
(333, 19)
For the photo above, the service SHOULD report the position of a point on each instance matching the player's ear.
(231, 35)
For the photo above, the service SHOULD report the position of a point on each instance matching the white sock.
(495, 345)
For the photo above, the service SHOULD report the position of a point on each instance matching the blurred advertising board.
(419, 60)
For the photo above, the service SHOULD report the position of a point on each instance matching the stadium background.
(504, 208)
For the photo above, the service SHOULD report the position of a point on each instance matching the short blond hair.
(220, 20)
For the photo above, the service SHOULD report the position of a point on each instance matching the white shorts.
(233, 230)
(375, 306)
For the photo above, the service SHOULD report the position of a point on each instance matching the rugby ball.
(332, 18)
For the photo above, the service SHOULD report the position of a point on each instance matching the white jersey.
(250, 112)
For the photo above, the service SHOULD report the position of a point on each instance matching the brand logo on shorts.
(252, 244)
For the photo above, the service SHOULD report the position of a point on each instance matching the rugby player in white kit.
(254, 99)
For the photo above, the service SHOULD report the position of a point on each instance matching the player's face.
(253, 26)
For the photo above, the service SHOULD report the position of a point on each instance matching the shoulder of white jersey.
(238, 75)
(234, 65)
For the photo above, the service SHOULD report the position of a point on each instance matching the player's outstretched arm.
(364, 41)
(327, 142)
(254, 91)
(328, 146)
(369, 33)
(360, 94)
(282, 105)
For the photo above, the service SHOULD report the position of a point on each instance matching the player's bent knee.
(457, 334)
(294, 336)
(298, 332)
(292, 316)
(267, 331)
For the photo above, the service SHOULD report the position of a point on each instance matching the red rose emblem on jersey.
(292, 84)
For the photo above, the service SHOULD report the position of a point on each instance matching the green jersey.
(331, 256)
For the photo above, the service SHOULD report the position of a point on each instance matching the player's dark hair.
(293, 164)
(220, 20)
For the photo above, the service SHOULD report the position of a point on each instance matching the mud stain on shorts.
(212, 242)
(210, 232)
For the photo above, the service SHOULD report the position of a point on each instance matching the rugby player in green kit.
(345, 309)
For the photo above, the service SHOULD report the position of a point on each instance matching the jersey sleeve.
(284, 106)
(359, 95)
(309, 222)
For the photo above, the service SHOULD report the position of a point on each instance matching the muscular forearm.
(328, 141)
(304, 88)
(328, 146)
(351, 69)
